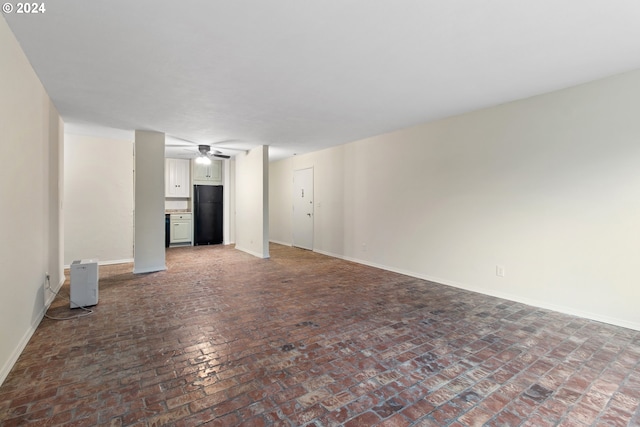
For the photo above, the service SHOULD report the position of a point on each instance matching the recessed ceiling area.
(305, 75)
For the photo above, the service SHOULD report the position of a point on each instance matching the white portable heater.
(84, 283)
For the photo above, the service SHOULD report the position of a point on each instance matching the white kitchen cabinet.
(180, 231)
(176, 178)
(208, 174)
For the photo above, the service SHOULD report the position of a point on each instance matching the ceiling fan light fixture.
(203, 160)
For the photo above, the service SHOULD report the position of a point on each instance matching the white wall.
(98, 182)
(149, 192)
(547, 187)
(252, 202)
(281, 201)
(31, 194)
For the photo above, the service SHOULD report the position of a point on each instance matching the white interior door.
(303, 208)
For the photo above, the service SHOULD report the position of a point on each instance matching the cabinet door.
(180, 231)
(182, 177)
(201, 172)
(176, 178)
(210, 174)
(180, 228)
(216, 171)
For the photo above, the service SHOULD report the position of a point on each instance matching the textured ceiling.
(300, 75)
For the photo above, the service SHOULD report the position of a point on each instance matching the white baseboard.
(110, 262)
(48, 298)
(116, 261)
(510, 297)
(6, 368)
(255, 254)
(280, 243)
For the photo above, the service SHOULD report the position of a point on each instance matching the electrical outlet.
(500, 271)
(364, 247)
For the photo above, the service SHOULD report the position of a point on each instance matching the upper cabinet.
(208, 174)
(176, 178)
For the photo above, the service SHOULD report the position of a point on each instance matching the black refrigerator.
(207, 214)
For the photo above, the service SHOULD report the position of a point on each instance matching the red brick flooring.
(303, 339)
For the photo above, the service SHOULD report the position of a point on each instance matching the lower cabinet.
(180, 228)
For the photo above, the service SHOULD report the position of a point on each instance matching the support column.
(149, 224)
(229, 202)
(252, 202)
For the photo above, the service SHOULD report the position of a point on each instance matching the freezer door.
(207, 194)
(207, 215)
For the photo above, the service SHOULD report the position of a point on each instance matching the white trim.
(111, 262)
(280, 243)
(18, 350)
(116, 261)
(15, 354)
(255, 254)
(528, 301)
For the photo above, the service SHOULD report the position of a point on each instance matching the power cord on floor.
(88, 311)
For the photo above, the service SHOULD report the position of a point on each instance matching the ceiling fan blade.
(202, 149)
(186, 147)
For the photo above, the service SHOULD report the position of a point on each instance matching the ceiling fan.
(201, 152)
(205, 150)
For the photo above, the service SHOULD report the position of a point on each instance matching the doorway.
(303, 208)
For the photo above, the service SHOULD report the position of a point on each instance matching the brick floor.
(222, 338)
